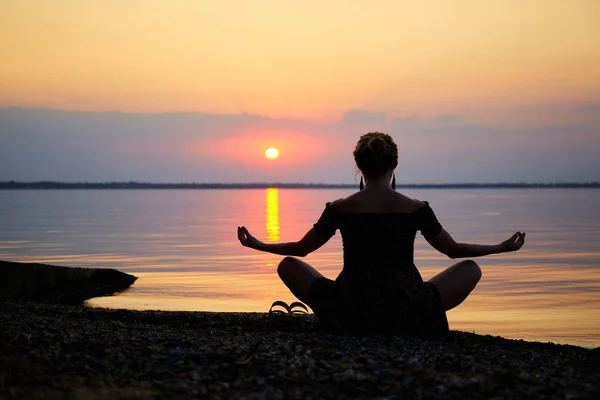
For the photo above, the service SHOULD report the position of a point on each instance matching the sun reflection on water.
(272, 214)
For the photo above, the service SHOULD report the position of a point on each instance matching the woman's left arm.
(309, 243)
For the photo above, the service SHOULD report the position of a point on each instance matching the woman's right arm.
(445, 244)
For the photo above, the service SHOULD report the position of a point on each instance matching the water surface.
(183, 246)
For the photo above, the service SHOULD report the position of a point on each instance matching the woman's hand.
(515, 242)
(246, 239)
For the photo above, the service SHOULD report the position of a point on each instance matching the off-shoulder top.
(379, 285)
(377, 244)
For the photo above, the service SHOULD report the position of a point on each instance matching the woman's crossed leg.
(456, 282)
(298, 276)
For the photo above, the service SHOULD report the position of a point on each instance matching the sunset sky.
(196, 91)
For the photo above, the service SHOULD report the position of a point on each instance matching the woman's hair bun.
(375, 153)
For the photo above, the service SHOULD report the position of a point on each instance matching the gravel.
(76, 352)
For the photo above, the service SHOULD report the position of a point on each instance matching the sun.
(272, 153)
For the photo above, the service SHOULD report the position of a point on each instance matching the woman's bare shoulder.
(405, 204)
(337, 204)
(351, 203)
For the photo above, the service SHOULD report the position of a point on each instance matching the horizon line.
(48, 184)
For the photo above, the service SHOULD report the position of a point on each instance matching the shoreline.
(53, 351)
(529, 337)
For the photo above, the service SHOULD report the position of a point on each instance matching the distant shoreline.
(15, 185)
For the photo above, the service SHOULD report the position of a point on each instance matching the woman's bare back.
(377, 199)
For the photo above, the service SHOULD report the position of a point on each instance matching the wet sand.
(50, 351)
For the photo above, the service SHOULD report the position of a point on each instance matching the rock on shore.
(55, 352)
(54, 284)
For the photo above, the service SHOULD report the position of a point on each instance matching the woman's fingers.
(514, 238)
(244, 236)
(515, 242)
(520, 240)
(246, 233)
(241, 236)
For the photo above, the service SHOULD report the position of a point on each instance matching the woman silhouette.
(379, 287)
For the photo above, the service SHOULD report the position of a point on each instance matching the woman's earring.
(362, 185)
(394, 182)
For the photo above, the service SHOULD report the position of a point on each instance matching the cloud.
(448, 118)
(588, 108)
(41, 144)
(362, 117)
(195, 147)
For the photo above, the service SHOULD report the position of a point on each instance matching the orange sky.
(488, 91)
(301, 59)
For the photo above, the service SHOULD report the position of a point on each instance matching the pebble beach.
(78, 352)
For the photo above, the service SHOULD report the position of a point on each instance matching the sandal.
(289, 309)
(294, 317)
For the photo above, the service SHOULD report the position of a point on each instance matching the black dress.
(379, 288)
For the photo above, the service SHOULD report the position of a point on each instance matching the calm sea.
(182, 245)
